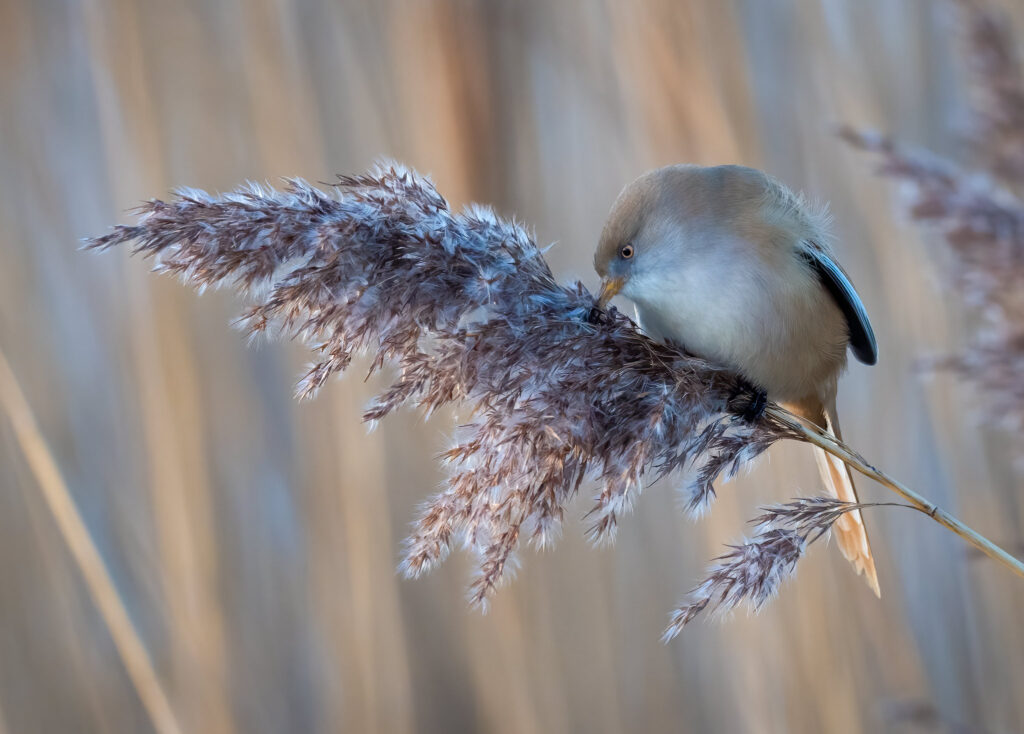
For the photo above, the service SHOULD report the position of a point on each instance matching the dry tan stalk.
(97, 578)
(812, 434)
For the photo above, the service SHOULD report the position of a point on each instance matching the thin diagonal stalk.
(828, 443)
(101, 587)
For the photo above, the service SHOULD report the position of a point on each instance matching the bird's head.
(669, 221)
(640, 236)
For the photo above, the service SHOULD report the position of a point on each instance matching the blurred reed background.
(254, 539)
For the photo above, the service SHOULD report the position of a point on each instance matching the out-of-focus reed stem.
(856, 461)
(97, 578)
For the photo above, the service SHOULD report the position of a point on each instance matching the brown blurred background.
(253, 540)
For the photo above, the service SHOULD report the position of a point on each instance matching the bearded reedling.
(731, 265)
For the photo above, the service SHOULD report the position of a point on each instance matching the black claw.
(597, 316)
(749, 402)
(755, 410)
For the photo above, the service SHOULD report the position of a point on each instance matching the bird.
(729, 264)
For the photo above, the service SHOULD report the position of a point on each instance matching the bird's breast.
(773, 323)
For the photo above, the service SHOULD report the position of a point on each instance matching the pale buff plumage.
(734, 267)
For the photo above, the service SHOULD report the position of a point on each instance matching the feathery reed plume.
(467, 309)
(984, 227)
(978, 212)
(996, 86)
(754, 570)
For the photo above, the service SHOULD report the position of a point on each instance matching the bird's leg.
(748, 401)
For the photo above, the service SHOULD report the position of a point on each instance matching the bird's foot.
(748, 402)
(597, 316)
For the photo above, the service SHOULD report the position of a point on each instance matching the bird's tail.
(850, 533)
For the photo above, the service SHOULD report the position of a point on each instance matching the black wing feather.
(837, 283)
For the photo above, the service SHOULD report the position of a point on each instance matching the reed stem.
(814, 435)
(69, 521)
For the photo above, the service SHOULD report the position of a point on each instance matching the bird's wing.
(837, 283)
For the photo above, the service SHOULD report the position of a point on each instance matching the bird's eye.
(626, 252)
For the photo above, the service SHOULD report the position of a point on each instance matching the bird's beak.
(609, 287)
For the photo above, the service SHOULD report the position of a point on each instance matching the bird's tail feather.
(849, 530)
